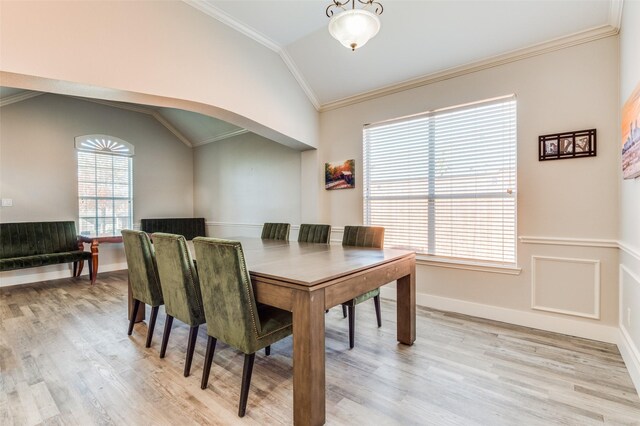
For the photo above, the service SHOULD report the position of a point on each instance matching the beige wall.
(246, 180)
(162, 48)
(38, 166)
(630, 200)
(570, 89)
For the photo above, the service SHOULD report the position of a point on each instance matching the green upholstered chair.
(275, 231)
(314, 233)
(232, 314)
(362, 236)
(180, 289)
(143, 276)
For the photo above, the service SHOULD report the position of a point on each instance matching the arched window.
(105, 193)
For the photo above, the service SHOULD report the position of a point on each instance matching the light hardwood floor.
(65, 358)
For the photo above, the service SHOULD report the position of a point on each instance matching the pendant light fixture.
(354, 27)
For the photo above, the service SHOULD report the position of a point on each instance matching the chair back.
(276, 231)
(363, 236)
(187, 226)
(229, 303)
(143, 270)
(178, 279)
(314, 233)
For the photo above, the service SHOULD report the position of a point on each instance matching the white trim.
(467, 265)
(633, 251)
(209, 9)
(581, 242)
(218, 14)
(630, 356)
(19, 97)
(541, 321)
(137, 108)
(596, 287)
(221, 137)
(56, 275)
(516, 55)
(615, 13)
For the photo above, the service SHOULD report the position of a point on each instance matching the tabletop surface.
(309, 264)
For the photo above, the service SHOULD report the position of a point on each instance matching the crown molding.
(615, 13)
(218, 14)
(19, 97)
(516, 55)
(221, 137)
(142, 110)
(299, 78)
(230, 21)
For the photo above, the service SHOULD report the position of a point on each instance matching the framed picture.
(340, 175)
(631, 136)
(557, 146)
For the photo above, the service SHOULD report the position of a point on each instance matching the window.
(443, 183)
(105, 195)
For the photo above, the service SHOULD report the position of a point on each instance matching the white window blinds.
(444, 183)
(104, 185)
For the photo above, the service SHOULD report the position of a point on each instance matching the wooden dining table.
(306, 279)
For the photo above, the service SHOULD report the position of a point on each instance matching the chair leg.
(193, 335)
(267, 350)
(75, 269)
(246, 382)
(376, 302)
(152, 325)
(80, 267)
(91, 271)
(165, 336)
(352, 325)
(136, 306)
(344, 311)
(208, 358)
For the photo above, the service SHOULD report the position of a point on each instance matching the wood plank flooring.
(65, 358)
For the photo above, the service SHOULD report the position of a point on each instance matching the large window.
(105, 195)
(443, 183)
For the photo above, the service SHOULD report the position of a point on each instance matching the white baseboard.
(557, 324)
(54, 275)
(630, 355)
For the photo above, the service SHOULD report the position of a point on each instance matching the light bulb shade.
(354, 28)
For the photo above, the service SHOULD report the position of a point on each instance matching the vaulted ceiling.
(420, 41)
(418, 38)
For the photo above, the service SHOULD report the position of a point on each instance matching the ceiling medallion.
(354, 27)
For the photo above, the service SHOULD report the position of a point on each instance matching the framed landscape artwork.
(340, 175)
(631, 136)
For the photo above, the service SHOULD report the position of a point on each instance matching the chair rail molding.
(562, 241)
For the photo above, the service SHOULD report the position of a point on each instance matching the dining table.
(306, 279)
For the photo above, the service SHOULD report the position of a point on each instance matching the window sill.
(468, 265)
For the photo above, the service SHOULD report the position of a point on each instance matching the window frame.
(101, 145)
(431, 257)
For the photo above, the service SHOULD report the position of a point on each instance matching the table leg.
(94, 260)
(141, 309)
(308, 358)
(406, 307)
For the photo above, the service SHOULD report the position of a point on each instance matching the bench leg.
(92, 272)
(79, 268)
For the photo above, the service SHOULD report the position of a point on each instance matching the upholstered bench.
(187, 226)
(33, 244)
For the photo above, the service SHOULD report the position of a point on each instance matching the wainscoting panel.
(566, 286)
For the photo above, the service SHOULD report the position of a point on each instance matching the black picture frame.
(558, 146)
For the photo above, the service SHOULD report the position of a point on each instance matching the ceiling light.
(354, 27)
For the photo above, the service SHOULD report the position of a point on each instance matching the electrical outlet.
(628, 317)
(7, 202)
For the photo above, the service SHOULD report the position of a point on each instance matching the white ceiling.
(418, 38)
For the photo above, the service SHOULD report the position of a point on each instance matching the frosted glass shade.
(354, 28)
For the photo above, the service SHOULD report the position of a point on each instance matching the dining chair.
(362, 236)
(314, 233)
(143, 277)
(230, 308)
(275, 231)
(180, 289)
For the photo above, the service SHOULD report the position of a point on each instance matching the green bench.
(32, 244)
